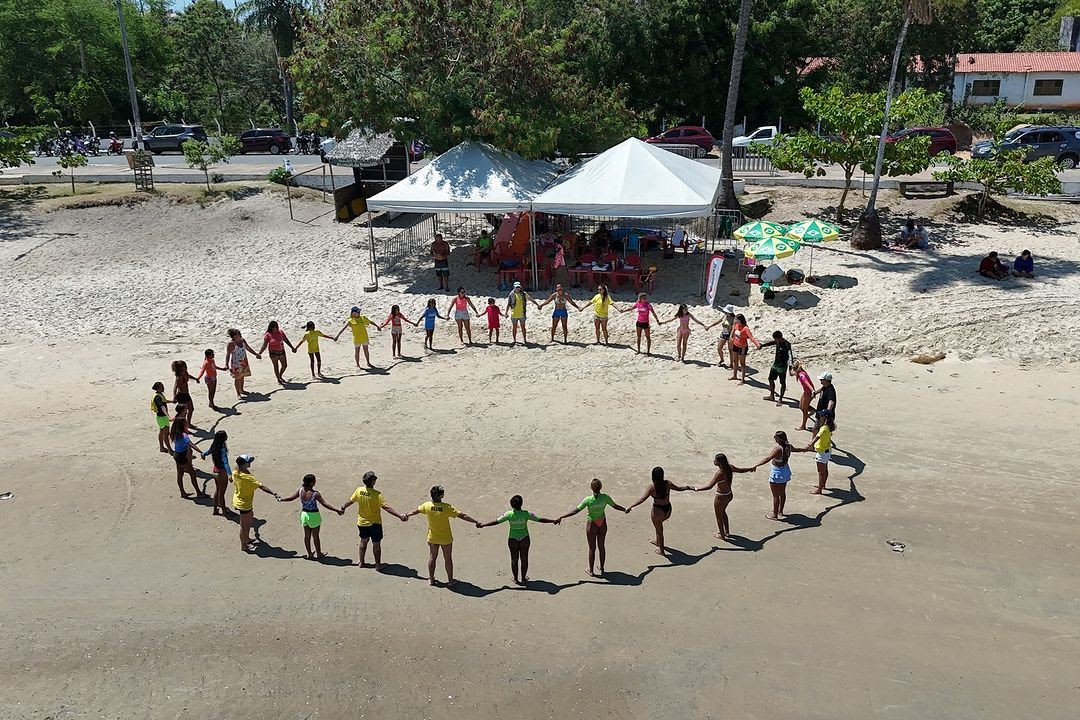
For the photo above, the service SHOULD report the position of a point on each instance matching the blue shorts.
(560, 313)
(780, 475)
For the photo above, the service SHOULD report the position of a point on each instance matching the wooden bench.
(926, 188)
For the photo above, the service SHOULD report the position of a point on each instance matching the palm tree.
(727, 191)
(275, 17)
(867, 234)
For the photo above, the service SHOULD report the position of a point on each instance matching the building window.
(986, 88)
(1048, 87)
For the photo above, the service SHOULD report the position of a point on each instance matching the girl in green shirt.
(518, 541)
(596, 525)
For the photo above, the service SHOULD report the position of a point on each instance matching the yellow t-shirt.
(824, 439)
(517, 310)
(358, 325)
(369, 504)
(438, 522)
(601, 305)
(244, 487)
(312, 338)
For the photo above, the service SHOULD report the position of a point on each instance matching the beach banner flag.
(716, 264)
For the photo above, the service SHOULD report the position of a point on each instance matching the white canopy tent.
(469, 178)
(634, 180)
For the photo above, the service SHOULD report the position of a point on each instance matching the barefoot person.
(182, 453)
(236, 360)
(219, 456)
(208, 376)
(518, 542)
(429, 316)
(595, 522)
(181, 395)
(807, 385)
(440, 251)
(741, 337)
(369, 506)
(721, 480)
(459, 306)
(826, 396)
(726, 321)
(310, 517)
(682, 337)
(491, 311)
(559, 314)
(779, 368)
(244, 487)
(779, 473)
(644, 309)
(311, 337)
(358, 324)
(660, 491)
(440, 536)
(395, 320)
(821, 444)
(275, 339)
(517, 307)
(159, 405)
(601, 304)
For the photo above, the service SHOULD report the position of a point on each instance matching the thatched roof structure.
(361, 149)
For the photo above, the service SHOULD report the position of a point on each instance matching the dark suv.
(171, 137)
(1060, 143)
(272, 140)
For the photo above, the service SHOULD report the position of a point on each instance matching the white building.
(1032, 80)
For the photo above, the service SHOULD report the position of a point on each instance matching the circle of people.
(174, 438)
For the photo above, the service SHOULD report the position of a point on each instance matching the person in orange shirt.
(741, 337)
(208, 375)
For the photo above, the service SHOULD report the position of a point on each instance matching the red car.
(941, 139)
(686, 135)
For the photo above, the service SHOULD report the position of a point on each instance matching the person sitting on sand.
(1024, 265)
(722, 482)
(991, 267)
(439, 535)
(660, 491)
(518, 541)
(595, 522)
(913, 236)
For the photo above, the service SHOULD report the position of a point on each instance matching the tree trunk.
(848, 172)
(206, 174)
(72, 179)
(880, 158)
(727, 182)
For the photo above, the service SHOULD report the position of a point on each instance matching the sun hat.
(245, 459)
(728, 309)
(825, 376)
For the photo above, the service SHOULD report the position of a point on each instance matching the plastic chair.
(746, 265)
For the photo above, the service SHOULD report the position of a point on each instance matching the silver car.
(1060, 143)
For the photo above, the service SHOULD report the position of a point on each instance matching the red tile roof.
(1021, 62)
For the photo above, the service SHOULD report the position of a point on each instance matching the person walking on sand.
(275, 339)
(519, 541)
(159, 405)
(311, 337)
(779, 369)
(236, 360)
(394, 320)
(682, 338)
(310, 517)
(244, 487)
(807, 385)
(595, 522)
(440, 251)
(219, 456)
(181, 395)
(429, 316)
(494, 319)
(369, 506)
(644, 308)
(358, 324)
(726, 321)
(182, 453)
(559, 314)
(721, 480)
(779, 473)
(660, 491)
(601, 304)
(460, 305)
(439, 535)
(741, 337)
(822, 446)
(517, 308)
(208, 375)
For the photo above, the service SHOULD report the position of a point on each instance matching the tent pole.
(705, 256)
(532, 242)
(371, 244)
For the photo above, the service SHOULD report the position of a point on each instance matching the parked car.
(171, 137)
(686, 135)
(1060, 143)
(763, 135)
(941, 139)
(272, 140)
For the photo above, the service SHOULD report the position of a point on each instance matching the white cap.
(825, 376)
(245, 459)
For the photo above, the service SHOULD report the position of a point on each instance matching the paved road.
(260, 163)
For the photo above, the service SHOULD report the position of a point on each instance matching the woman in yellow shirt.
(439, 534)
(244, 487)
(601, 303)
(358, 324)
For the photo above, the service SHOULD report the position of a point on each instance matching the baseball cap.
(517, 284)
(245, 459)
(825, 376)
(354, 310)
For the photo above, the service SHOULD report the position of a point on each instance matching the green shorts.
(162, 421)
(310, 519)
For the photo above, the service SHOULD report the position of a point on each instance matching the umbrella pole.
(810, 272)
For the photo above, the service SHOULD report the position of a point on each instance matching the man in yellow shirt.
(369, 506)
(244, 487)
(439, 533)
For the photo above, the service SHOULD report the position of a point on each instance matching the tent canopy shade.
(634, 180)
(469, 178)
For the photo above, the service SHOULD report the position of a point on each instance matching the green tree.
(201, 155)
(1003, 24)
(277, 17)
(13, 152)
(850, 123)
(69, 163)
(1007, 170)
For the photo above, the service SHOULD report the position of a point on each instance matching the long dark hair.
(272, 326)
(218, 443)
(179, 426)
(725, 466)
(660, 487)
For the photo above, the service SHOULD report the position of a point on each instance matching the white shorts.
(823, 457)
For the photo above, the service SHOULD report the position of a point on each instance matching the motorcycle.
(115, 146)
(92, 145)
(307, 143)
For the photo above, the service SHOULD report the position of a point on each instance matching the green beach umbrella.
(759, 230)
(812, 232)
(773, 248)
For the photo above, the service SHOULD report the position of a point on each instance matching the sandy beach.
(124, 601)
